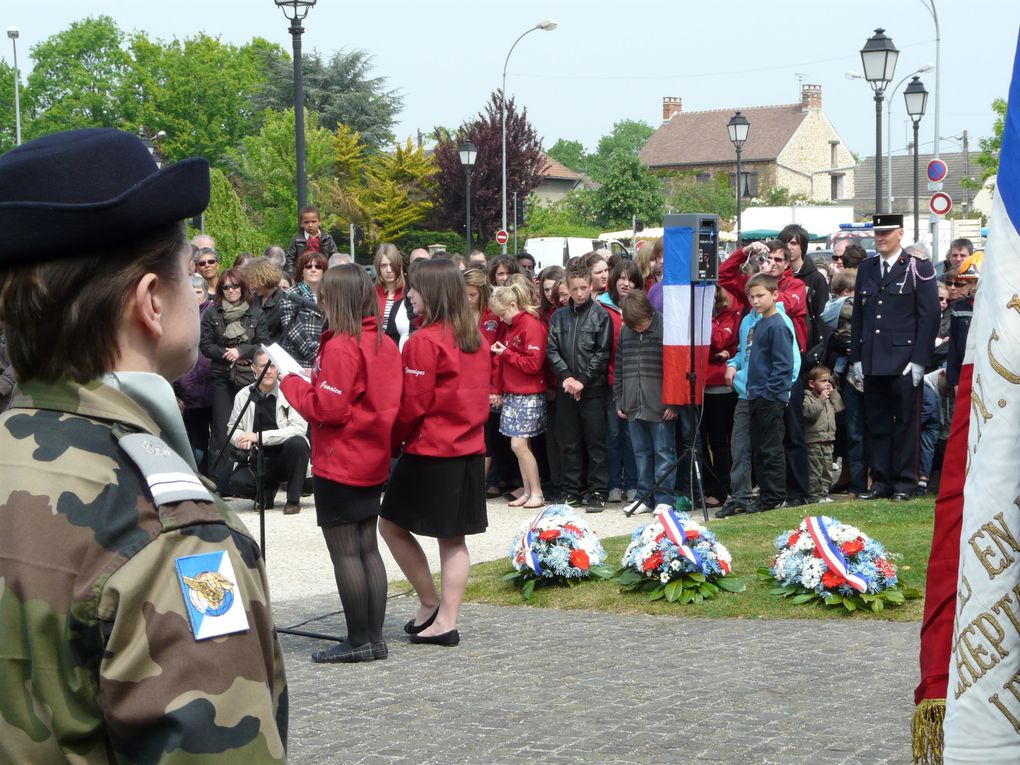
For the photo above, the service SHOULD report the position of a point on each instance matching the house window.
(748, 184)
(836, 183)
(833, 153)
(703, 177)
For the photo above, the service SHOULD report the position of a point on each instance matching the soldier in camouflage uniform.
(135, 623)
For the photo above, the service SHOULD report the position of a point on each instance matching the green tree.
(559, 218)
(199, 90)
(265, 165)
(626, 139)
(398, 191)
(7, 116)
(991, 145)
(571, 154)
(685, 194)
(340, 90)
(77, 78)
(627, 189)
(228, 222)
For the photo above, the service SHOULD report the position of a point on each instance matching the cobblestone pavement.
(530, 685)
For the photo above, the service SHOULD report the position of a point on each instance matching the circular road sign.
(937, 170)
(502, 237)
(940, 203)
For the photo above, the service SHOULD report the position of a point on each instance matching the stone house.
(793, 146)
(557, 180)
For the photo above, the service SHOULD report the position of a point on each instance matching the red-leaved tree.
(523, 162)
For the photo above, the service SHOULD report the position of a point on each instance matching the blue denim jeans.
(620, 452)
(654, 453)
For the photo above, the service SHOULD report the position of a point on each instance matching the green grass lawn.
(905, 528)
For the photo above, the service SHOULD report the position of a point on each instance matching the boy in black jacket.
(580, 336)
(769, 376)
(310, 236)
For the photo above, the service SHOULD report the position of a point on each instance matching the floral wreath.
(676, 558)
(555, 547)
(835, 564)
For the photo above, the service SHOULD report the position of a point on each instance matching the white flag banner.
(983, 701)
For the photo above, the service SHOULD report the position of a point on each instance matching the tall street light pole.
(879, 59)
(13, 34)
(916, 98)
(468, 152)
(548, 25)
(929, 5)
(295, 11)
(888, 129)
(737, 128)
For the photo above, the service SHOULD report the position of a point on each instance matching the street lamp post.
(467, 159)
(916, 98)
(888, 130)
(548, 25)
(295, 11)
(879, 59)
(737, 128)
(13, 34)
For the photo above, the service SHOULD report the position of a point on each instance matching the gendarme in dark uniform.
(895, 322)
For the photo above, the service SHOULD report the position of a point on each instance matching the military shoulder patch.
(211, 595)
(169, 477)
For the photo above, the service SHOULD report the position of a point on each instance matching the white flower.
(811, 573)
(804, 543)
(664, 577)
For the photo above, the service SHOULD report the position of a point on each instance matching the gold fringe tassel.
(926, 731)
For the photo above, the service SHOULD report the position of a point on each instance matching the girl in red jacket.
(351, 403)
(521, 382)
(438, 486)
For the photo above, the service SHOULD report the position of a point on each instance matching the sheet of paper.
(284, 361)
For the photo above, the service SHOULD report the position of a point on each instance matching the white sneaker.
(662, 506)
(825, 500)
(637, 508)
(631, 495)
(615, 495)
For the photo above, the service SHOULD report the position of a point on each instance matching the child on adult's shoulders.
(309, 238)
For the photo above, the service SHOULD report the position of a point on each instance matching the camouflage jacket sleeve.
(170, 697)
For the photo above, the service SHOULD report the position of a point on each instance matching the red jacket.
(725, 337)
(492, 328)
(446, 396)
(351, 404)
(522, 364)
(616, 316)
(380, 296)
(792, 293)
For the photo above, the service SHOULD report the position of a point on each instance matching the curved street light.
(546, 25)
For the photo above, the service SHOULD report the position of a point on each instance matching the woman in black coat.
(232, 330)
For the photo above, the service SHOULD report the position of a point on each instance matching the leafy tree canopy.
(627, 189)
(341, 90)
(626, 140)
(571, 154)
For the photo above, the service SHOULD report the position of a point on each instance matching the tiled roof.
(903, 180)
(692, 138)
(553, 169)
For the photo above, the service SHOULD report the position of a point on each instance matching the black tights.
(360, 578)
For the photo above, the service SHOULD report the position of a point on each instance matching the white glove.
(858, 369)
(916, 371)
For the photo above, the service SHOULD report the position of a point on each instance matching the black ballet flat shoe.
(344, 653)
(447, 639)
(413, 629)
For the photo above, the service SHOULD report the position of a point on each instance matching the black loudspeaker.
(704, 239)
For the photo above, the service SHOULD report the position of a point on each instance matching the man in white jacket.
(284, 440)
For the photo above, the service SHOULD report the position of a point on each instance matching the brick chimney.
(810, 97)
(671, 105)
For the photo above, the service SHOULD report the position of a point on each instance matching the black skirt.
(441, 497)
(337, 503)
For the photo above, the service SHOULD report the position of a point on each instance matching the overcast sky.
(611, 60)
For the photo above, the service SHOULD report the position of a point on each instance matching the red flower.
(548, 535)
(793, 539)
(662, 535)
(724, 566)
(886, 568)
(852, 548)
(572, 528)
(832, 580)
(652, 561)
(692, 534)
(579, 559)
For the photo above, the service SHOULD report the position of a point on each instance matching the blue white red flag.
(528, 538)
(677, 360)
(675, 531)
(831, 554)
(982, 722)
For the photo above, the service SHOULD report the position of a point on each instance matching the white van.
(557, 250)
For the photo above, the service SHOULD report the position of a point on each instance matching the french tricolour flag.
(676, 309)
(982, 708)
